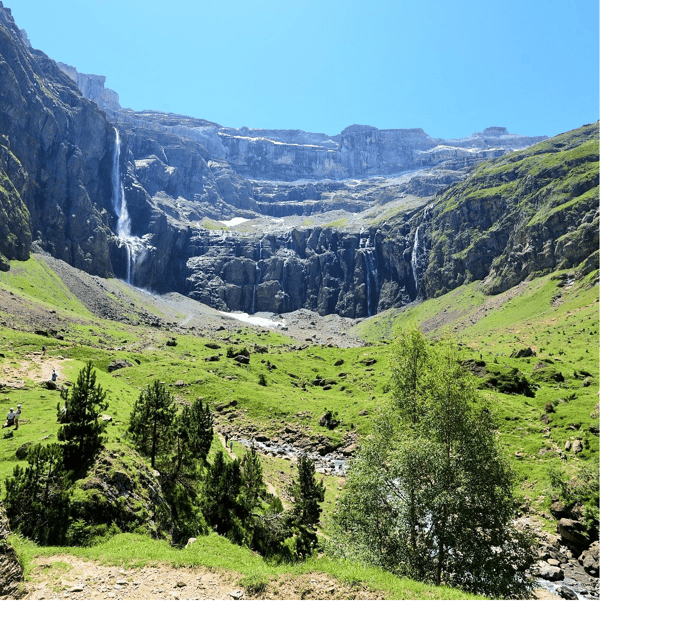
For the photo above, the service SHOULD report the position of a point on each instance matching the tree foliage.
(430, 495)
(308, 493)
(81, 429)
(38, 495)
(221, 497)
(150, 425)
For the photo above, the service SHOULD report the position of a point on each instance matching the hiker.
(54, 375)
(10, 417)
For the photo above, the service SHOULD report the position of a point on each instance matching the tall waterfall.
(372, 276)
(134, 246)
(257, 277)
(418, 258)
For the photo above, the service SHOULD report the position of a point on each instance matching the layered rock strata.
(349, 224)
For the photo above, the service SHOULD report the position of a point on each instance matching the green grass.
(560, 323)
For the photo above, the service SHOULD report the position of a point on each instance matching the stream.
(576, 583)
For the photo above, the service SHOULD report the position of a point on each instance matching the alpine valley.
(154, 244)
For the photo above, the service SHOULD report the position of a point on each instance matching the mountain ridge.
(263, 220)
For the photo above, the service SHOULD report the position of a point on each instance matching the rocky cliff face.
(54, 157)
(266, 220)
(525, 214)
(92, 87)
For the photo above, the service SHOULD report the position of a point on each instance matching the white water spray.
(134, 246)
(372, 275)
(417, 260)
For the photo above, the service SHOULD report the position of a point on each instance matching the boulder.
(566, 593)
(573, 531)
(115, 365)
(577, 446)
(590, 559)
(549, 572)
(527, 352)
(559, 510)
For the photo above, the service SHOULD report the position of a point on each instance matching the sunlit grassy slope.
(555, 316)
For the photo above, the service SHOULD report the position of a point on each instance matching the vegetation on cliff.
(528, 213)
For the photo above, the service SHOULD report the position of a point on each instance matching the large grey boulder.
(573, 531)
(590, 559)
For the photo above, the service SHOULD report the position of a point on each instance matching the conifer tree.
(221, 490)
(308, 493)
(81, 429)
(253, 484)
(37, 496)
(151, 422)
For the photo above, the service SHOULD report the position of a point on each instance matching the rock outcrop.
(11, 575)
(55, 152)
(92, 87)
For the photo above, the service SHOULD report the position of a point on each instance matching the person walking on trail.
(54, 376)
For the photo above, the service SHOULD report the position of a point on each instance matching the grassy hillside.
(525, 214)
(544, 400)
(557, 318)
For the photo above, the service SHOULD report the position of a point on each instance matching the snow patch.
(257, 320)
(234, 221)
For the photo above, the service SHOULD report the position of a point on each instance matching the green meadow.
(534, 353)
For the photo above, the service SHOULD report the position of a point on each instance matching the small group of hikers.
(13, 417)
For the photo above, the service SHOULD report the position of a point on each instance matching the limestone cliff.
(524, 214)
(351, 223)
(54, 158)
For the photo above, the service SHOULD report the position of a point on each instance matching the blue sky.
(450, 67)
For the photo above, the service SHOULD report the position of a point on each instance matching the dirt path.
(65, 577)
(35, 367)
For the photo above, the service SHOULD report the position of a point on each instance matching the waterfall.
(372, 278)
(134, 246)
(257, 277)
(417, 260)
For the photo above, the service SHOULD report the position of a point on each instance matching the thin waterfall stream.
(134, 245)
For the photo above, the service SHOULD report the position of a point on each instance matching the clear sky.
(451, 67)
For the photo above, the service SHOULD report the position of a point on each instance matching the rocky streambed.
(335, 462)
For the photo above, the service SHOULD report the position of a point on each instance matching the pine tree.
(37, 496)
(308, 493)
(151, 422)
(222, 485)
(253, 485)
(81, 429)
(200, 425)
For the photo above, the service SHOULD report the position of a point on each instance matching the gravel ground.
(66, 577)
